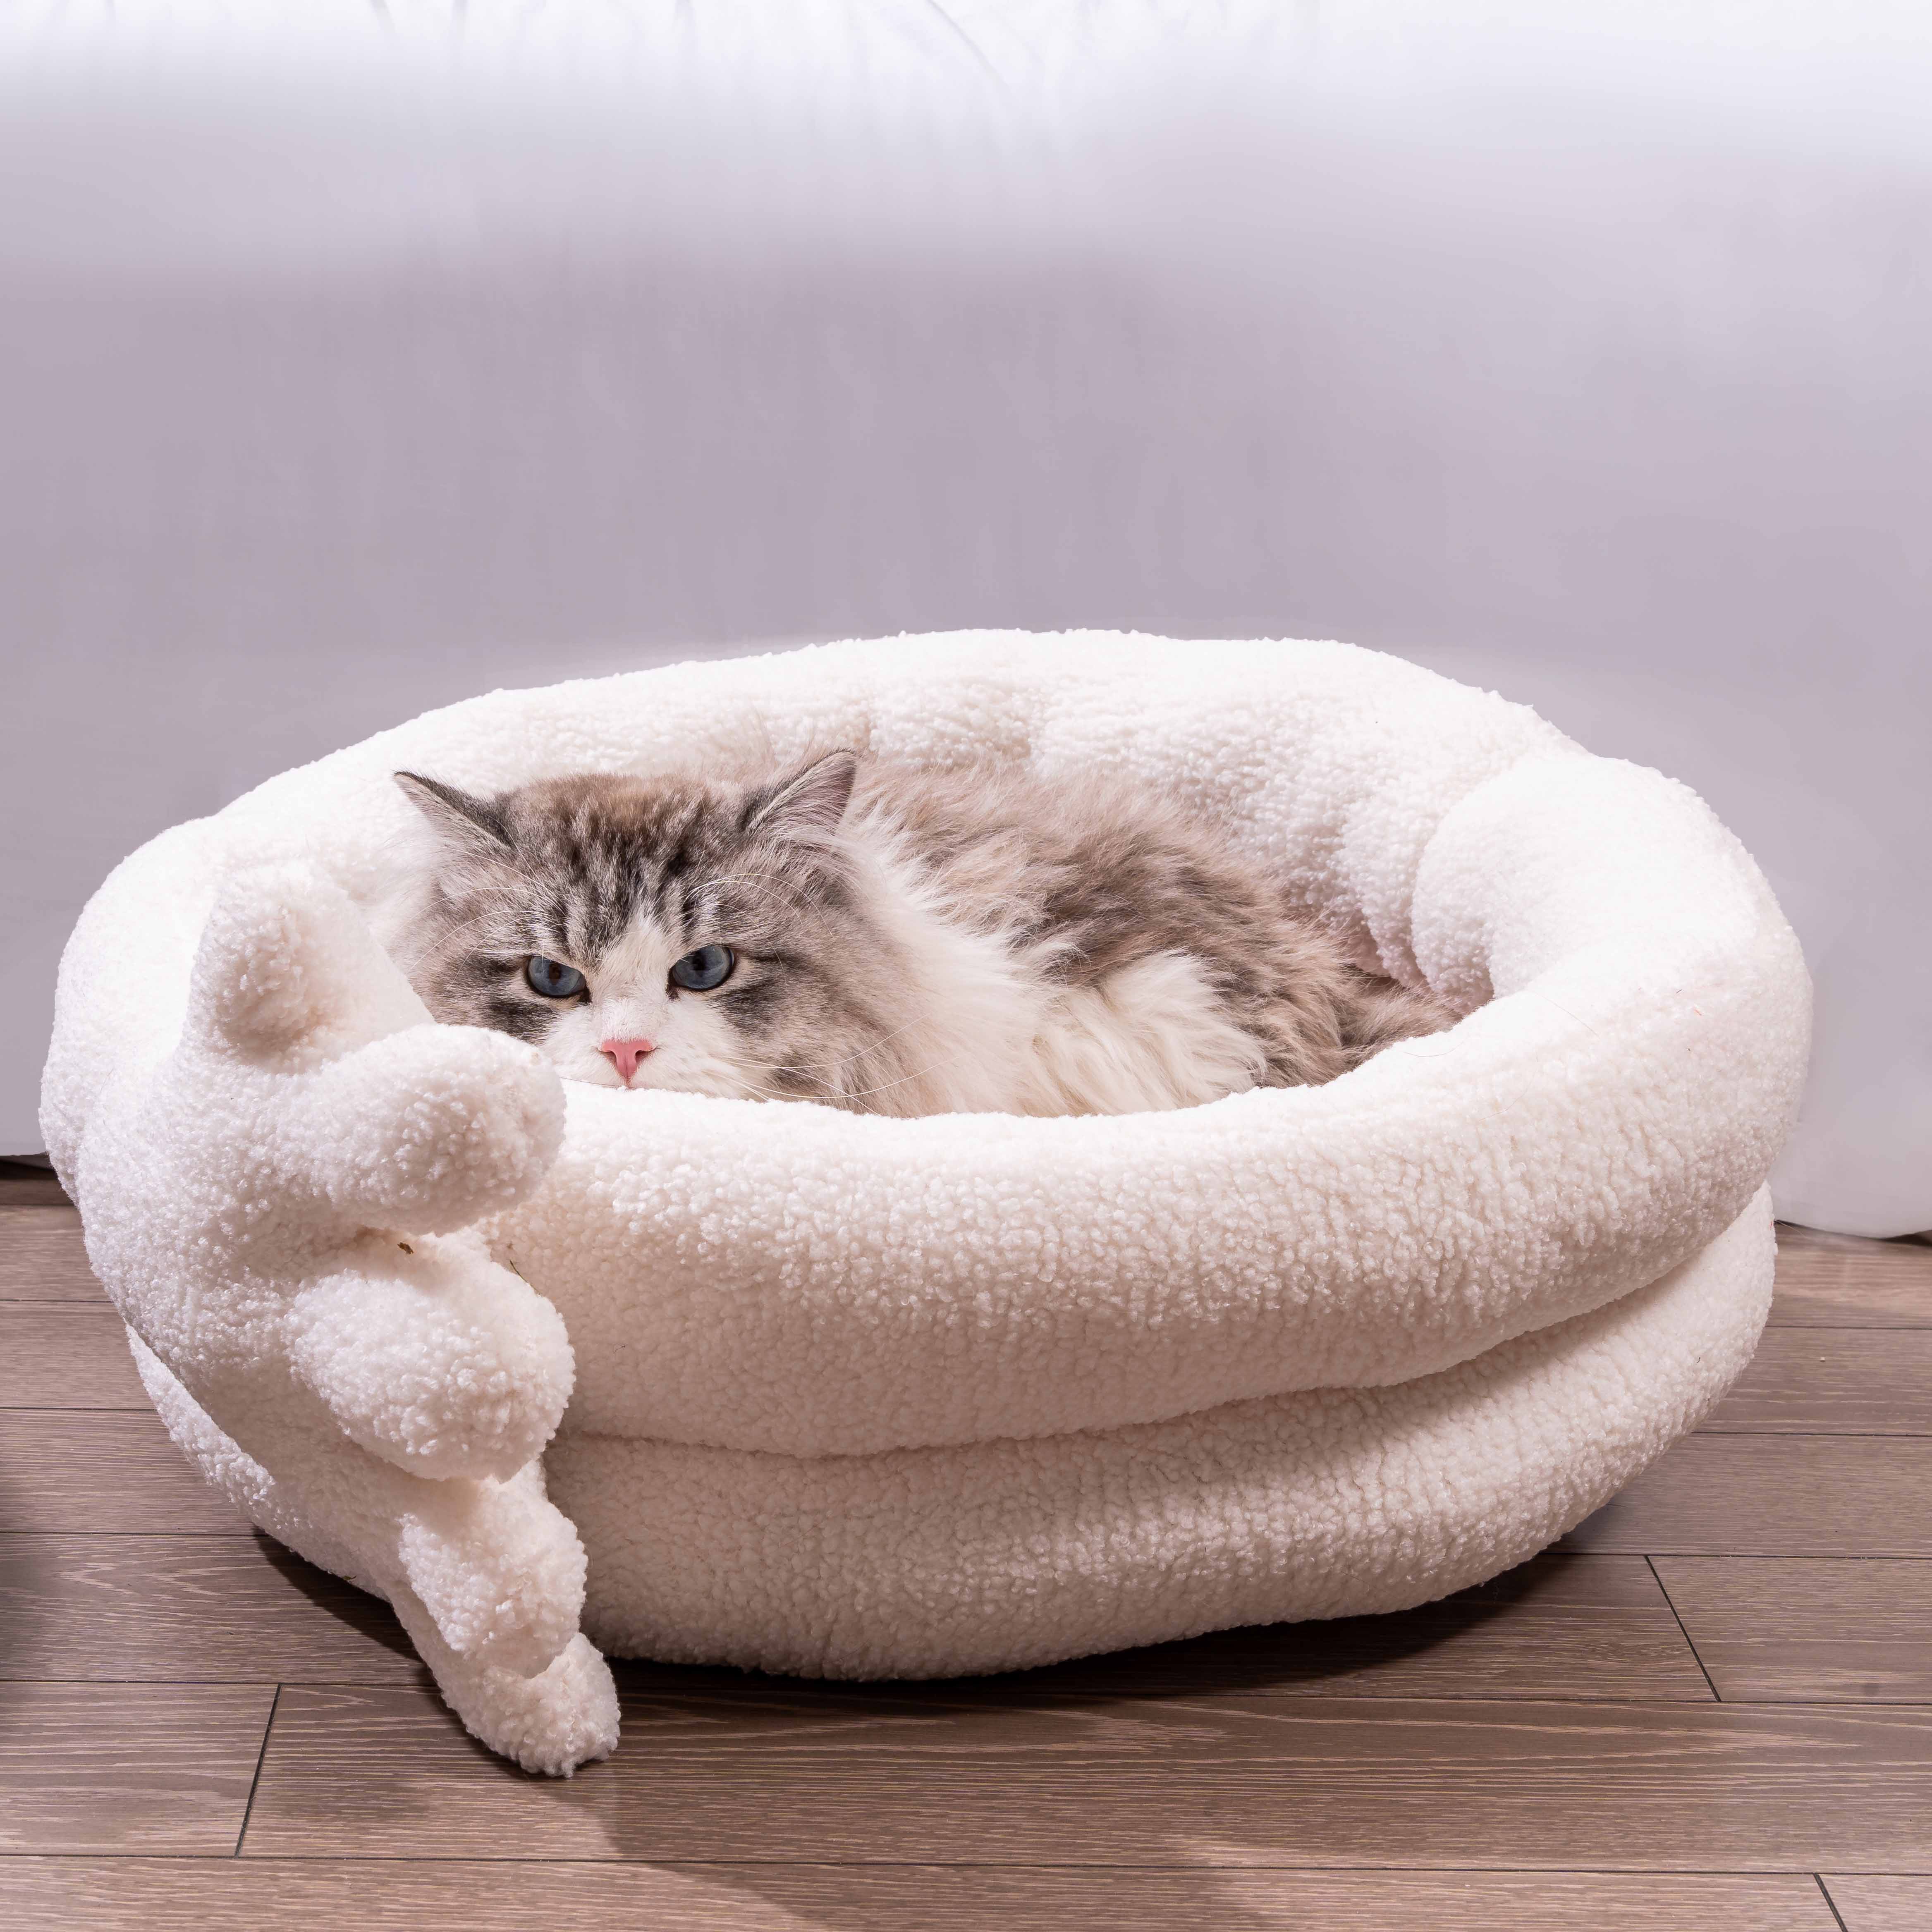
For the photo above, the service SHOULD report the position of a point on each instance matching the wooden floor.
(1711, 1707)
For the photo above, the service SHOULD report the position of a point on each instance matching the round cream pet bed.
(787, 1388)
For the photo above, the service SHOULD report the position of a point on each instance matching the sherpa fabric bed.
(820, 1393)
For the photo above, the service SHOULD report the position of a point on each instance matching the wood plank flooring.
(1716, 1494)
(1837, 1281)
(1709, 1709)
(185, 1895)
(1771, 1631)
(1869, 1903)
(41, 1259)
(109, 1472)
(127, 1767)
(1811, 1381)
(67, 1355)
(926, 1774)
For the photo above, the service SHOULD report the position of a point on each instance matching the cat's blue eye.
(552, 979)
(710, 966)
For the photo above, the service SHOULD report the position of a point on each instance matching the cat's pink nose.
(624, 1054)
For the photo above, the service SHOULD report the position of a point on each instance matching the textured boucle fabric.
(827, 1392)
(1331, 1502)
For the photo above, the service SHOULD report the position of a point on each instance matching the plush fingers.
(427, 1130)
(383, 1118)
(564, 1716)
(497, 1566)
(432, 1356)
(288, 974)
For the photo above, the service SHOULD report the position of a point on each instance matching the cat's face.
(664, 934)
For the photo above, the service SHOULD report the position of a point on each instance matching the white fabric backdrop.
(347, 367)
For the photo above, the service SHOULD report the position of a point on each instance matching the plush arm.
(280, 1210)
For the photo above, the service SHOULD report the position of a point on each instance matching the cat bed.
(782, 1387)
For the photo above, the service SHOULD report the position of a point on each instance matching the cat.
(883, 939)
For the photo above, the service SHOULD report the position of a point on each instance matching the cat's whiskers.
(749, 1091)
(839, 1096)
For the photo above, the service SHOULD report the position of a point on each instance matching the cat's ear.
(808, 805)
(463, 823)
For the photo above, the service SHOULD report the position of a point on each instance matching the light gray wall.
(1605, 385)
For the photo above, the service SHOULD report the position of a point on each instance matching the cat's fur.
(908, 942)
